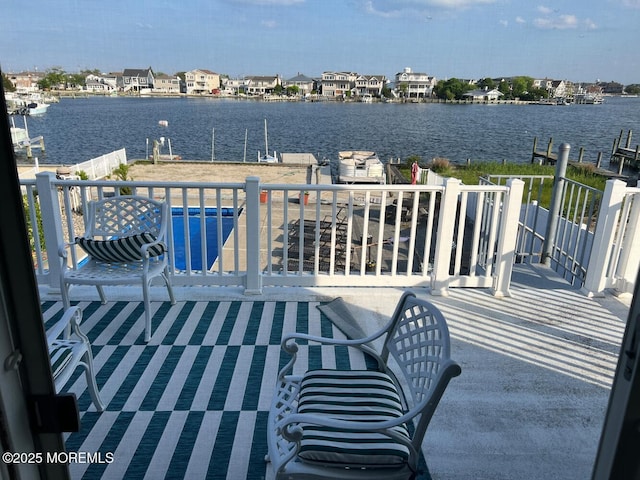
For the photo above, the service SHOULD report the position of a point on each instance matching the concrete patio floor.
(536, 370)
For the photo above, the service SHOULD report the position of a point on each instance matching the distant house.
(337, 84)
(305, 84)
(555, 88)
(26, 82)
(202, 82)
(484, 95)
(415, 84)
(134, 79)
(167, 84)
(369, 85)
(98, 84)
(261, 85)
(233, 86)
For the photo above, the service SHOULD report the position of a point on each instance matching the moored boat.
(266, 158)
(360, 166)
(37, 108)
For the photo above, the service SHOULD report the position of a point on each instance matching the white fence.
(99, 167)
(349, 235)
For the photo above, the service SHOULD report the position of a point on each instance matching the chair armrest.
(71, 317)
(290, 346)
(144, 248)
(62, 249)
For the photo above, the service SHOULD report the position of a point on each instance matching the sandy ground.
(219, 172)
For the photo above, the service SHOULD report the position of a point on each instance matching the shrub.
(122, 173)
(30, 227)
(441, 165)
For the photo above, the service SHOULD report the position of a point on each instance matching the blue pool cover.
(211, 226)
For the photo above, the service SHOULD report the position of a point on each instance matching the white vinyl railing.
(444, 236)
(595, 236)
(615, 255)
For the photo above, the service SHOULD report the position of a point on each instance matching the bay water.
(76, 130)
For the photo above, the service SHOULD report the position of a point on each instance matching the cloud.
(550, 20)
(417, 8)
(504, 23)
(269, 23)
(371, 9)
(520, 20)
(562, 22)
(631, 3)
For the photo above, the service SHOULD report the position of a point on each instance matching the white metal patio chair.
(348, 424)
(125, 240)
(69, 348)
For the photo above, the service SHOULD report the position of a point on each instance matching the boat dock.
(624, 154)
(547, 157)
(21, 139)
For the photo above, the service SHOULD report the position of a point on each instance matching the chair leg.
(103, 298)
(66, 301)
(91, 381)
(147, 310)
(165, 276)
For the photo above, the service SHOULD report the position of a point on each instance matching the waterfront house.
(305, 84)
(26, 82)
(369, 85)
(134, 79)
(337, 84)
(415, 84)
(233, 86)
(262, 84)
(483, 95)
(167, 84)
(100, 84)
(201, 81)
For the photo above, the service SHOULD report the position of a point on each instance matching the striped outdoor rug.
(193, 402)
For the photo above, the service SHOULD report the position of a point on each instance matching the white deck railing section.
(594, 240)
(444, 236)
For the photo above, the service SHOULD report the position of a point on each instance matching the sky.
(577, 40)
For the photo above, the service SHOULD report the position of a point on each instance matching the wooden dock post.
(599, 161)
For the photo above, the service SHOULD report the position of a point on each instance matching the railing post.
(506, 250)
(446, 226)
(556, 203)
(253, 281)
(630, 256)
(596, 276)
(51, 225)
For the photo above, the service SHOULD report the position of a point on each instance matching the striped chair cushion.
(60, 353)
(125, 249)
(359, 395)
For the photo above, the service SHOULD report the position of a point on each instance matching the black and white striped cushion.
(362, 396)
(60, 354)
(125, 249)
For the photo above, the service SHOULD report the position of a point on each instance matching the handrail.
(351, 235)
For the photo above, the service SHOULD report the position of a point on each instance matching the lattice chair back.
(418, 341)
(126, 215)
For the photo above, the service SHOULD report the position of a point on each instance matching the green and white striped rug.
(193, 402)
